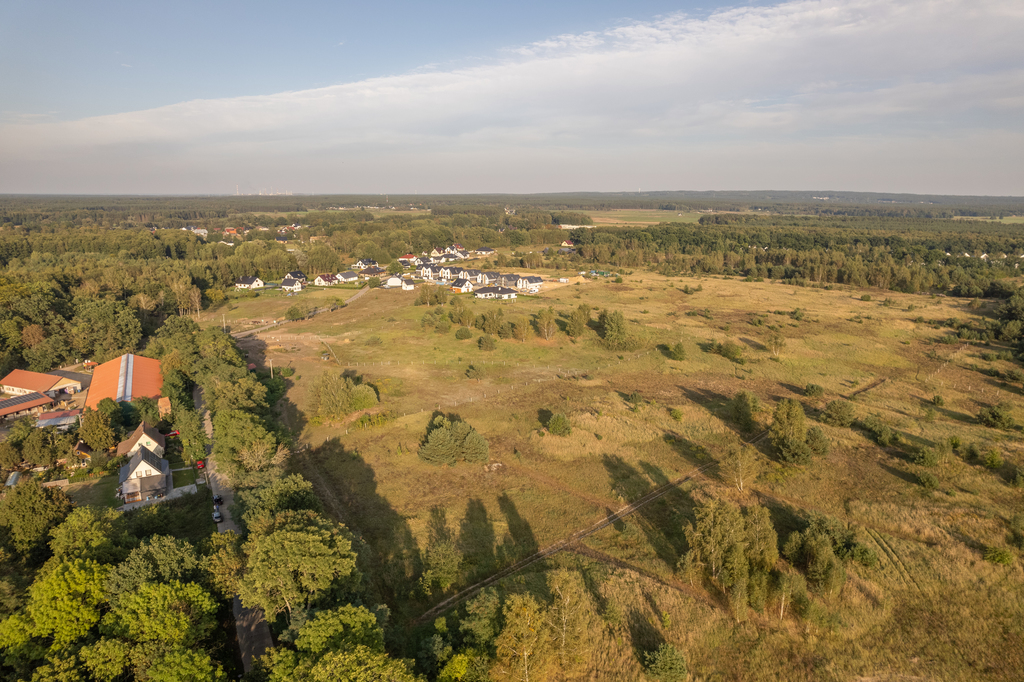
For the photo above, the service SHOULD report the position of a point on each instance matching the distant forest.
(91, 276)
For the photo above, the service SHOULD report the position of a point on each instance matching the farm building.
(32, 403)
(125, 378)
(22, 382)
(63, 420)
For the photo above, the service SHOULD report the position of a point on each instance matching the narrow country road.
(252, 629)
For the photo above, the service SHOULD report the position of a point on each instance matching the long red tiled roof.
(30, 381)
(125, 378)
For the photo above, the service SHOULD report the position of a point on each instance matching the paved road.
(250, 625)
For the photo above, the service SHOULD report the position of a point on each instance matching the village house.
(346, 277)
(463, 286)
(530, 283)
(508, 280)
(434, 253)
(296, 275)
(144, 436)
(392, 282)
(292, 285)
(23, 382)
(249, 283)
(364, 264)
(489, 278)
(144, 477)
(485, 251)
(325, 280)
(472, 275)
(567, 242)
(503, 293)
(408, 284)
(373, 272)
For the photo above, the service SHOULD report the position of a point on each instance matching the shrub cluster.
(450, 440)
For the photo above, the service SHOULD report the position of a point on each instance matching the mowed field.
(639, 216)
(931, 609)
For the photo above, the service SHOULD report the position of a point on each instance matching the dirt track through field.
(559, 546)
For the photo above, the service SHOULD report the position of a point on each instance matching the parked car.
(217, 517)
(200, 464)
(173, 433)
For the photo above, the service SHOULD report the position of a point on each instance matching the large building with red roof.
(124, 379)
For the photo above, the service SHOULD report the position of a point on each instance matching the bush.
(997, 416)
(818, 442)
(938, 401)
(880, 431)
(487, 342)
(928, 480)
(730, 351)
(677, 352)
(926, 457)
(838, 413)
(677, 415)
(999, 555)
(992, 460)
(463, 333)
(745, 407)
(814, 391)
(294, 313)
(474, 372)
(865, 297)
(559, 425)
(666, 664)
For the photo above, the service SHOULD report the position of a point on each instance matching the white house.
(346, 277)
(530, 282)
(485, 251)
(407, 285)
(326, 280)
(249, 283)
(145, 476)
(450, 272)
(145, 436)
(296, 275)
(393, 282)
(462, 286)
(364, 263)
(289, 284)
(503, 293)
(472, 275)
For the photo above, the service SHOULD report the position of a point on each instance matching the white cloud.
(804, 94)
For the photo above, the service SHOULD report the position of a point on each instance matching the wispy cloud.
(864, 94)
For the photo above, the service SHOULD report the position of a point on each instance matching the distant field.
(270, 304)
(642, 217)
(1009, 220)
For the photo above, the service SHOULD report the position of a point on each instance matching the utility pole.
(223, 324)
(271, 369)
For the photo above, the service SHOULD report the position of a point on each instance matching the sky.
(922, 96)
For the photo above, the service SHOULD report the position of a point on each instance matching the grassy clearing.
(929, 542)
(269, 305)
(184, 477)
(98, 492)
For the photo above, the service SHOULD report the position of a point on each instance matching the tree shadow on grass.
(661, 520)
(476, 541)
(711, 401)
(393, 560)
(643, 635)
(900, 474)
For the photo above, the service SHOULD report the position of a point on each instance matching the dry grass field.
(931, 609)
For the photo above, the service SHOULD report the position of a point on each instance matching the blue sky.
(188, 97)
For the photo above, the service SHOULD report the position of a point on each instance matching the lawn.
(184, 477)
(99, 492)
(241, 310)
(637, 216)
